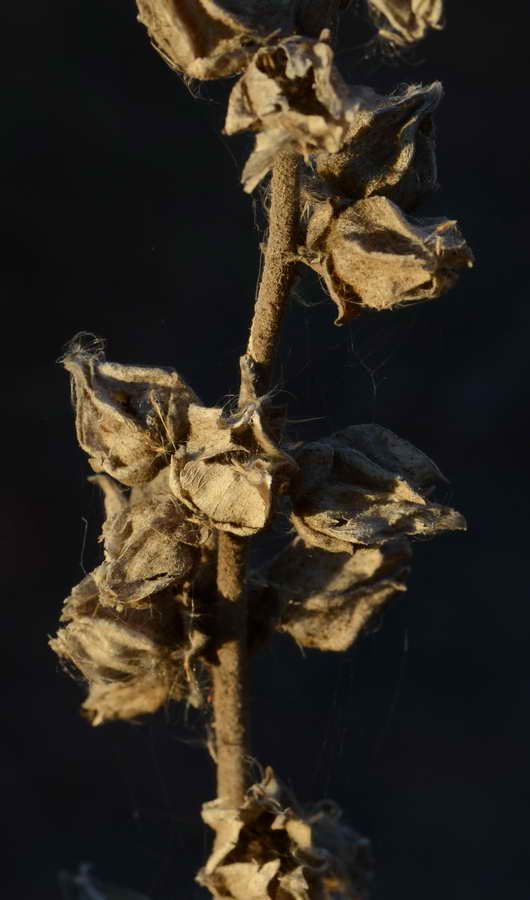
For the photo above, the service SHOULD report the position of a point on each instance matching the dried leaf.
(364, 485)
(128, 418)
(325, 598)
(267, 850)
(408, 19)
(370, 254)
(229, 469)
(293, 94)
(389, 149)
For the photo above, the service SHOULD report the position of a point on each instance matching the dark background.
(123, 216)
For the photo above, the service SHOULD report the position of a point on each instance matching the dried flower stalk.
(173, 608)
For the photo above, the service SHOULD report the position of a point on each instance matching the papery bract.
(389, 149)
(371, 255)
(365, 485)
(293, 95)
(407, 21)
(128, 418)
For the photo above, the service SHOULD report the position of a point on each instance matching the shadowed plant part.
(269, 849)
(325, 599)
(208, 39)
(406, 21)
(371, 255)
(230, 469)
(149, 544)
(389, 150)
(128, 418)
(292, 94)
(365, 485)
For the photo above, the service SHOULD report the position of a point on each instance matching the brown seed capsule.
(293, 95)
(407, 21)
(370, 254)
(389, 149)
(365, 485)
(325, 599)
(271, 848)
(131, 631)
(212, 38)
(229, 470)
(128, 418)
(131, 660)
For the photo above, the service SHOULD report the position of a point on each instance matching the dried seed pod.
(406, 21)
(325, 599)
(370, 254)
(132, 661)
(293, 95)
(389, 149)
(128, 418)
(212, 38)
(228, 471)
(365, 485)
(129, 632)
(149, 545)
(269, 848)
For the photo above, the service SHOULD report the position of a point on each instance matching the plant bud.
(406, 21)
(228, 471)
(128, 418)
(365, 485)
(370, 254)
(325, 599)
(294, 96)
(271, 848)
(389, 149)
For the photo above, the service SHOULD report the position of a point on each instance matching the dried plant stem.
(278, 268)
(230, 680)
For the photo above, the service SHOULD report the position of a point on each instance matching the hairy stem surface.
(230, 681)
(230, 676)
(279, 266)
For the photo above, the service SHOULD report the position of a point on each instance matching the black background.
(123, 216)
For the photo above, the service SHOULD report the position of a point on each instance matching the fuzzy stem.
(230, 680)
(278, 268)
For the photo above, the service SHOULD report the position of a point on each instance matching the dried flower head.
(149, 544)
(325, 599)
(132, 660)
(132, 631)
(230, 469)
(365, 485)
(212, 38)
(294, 96)
(407, 21)
(270, 850)
(389, 149)
(128, 418)
(370, 254)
